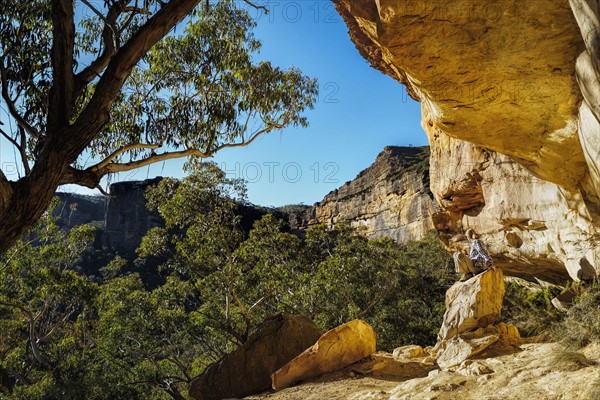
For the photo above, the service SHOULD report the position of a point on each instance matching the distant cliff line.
(391, 198)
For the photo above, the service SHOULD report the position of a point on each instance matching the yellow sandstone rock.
(475, 303)
(467, 329)
(248, 369)
(496, 74)
(456, 350)
(335, 350)
(410, 351)
(510, 95)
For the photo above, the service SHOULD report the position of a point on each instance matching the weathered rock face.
(587, 14)
(475, 303)
(515, 151)
(492, 340)
(391, 198)
(496, 75)
(530, 226)
(247, 370)
(472, 308)
(128, 219)
(458, 350)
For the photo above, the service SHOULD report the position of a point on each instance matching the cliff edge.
(510, 103)
(391, 198)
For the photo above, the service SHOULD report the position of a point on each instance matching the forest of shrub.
(65, 335)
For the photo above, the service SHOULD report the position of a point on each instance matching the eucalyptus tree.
(128, 83)
(42, 302)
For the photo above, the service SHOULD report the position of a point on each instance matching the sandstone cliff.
(509, 93)
(391, 198)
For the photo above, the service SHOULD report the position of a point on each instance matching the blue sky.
(359, 111)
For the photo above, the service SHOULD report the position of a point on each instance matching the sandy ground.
(531, 374)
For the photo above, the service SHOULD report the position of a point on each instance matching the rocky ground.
(536, 372)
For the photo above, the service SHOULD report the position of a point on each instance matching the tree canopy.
(65, 335)
(117, 84)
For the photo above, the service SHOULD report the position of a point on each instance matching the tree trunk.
(27, 199)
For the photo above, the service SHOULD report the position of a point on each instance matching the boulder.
(475, 303)
(336, 349)
(248, 369)
(410, 351)
(493, 340)
(456, 350)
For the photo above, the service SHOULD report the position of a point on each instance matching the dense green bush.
(533, 313)
(530, 310)
(581, 325)
(398, 289)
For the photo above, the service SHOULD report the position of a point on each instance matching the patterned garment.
(479, 256)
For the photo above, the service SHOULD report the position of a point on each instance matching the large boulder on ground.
(494, 339)
(467, 330)
(457, 349)
(248, 369)
(335, 350)
(475, 303)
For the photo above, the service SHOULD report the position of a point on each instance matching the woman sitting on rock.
(477, 261)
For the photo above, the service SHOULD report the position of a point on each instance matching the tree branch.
(57, 325)
(19, 146)
(60, 102)
(32, 337)
(6, 192)
(251, 4)
(110, 40)
(11, 105)
(10, 139)
(91, 177)
(23, 150)
(136, 10)
(96, 114)
(118, 167)
(124, 149)
(252, 138)
(181, 367)
(108, 24)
